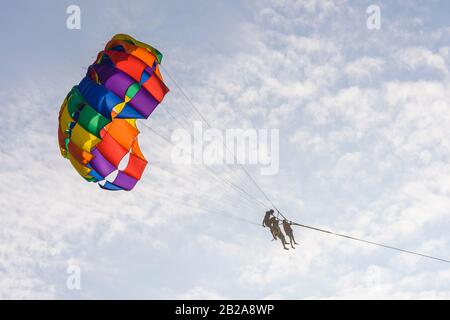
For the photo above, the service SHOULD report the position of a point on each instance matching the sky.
(363, 118)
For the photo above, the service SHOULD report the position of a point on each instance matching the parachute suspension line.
(250, 205)
(197, 111)
(245, 194)
(257, 201)
(185, 96)
(158, 134)
(239, 205)
(279, 213)
(238, 218)
(173, 117)
(215, 175)
(209, 126)
(216, 212)
(370, 242)
(203, 119)
(249, 197)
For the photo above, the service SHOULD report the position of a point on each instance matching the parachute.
(97, 129)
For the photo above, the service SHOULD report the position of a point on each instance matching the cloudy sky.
(363, 118)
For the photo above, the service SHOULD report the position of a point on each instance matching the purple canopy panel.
(113, 79)
(125, 181)
(100, 164)
(143, 102)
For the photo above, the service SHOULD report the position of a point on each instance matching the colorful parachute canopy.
(97, 122)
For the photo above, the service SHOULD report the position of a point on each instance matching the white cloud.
(414, 58)
(364, 67)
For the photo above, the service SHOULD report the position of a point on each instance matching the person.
(266, 219)
(267, 222)
(289, 232)
(276, 231)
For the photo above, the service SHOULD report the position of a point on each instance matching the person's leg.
(274, 234)
(290, 241)
(293, 238)
(283, 241)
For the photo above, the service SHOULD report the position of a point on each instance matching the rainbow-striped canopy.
(97, 122)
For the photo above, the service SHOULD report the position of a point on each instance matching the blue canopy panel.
(110, 186)
(98, 97)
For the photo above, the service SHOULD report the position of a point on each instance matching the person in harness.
(289, 232)
(277, 232)
(267, 222)
(274, 224)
